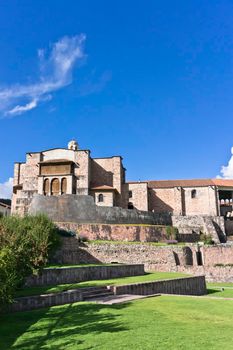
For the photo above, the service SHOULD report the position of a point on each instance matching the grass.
(60, 266)
(157, 244)
(115, 281)
(161, 323)
(215, 290)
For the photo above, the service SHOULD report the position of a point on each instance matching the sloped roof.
(5, 205)
(190, 183)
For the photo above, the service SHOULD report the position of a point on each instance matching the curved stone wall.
(82, 209)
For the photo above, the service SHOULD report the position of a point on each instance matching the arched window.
(46, 187)
(63, 185)
(100, 197)
(55, 187)
(130, 205)
(130, 194)
(193, 194)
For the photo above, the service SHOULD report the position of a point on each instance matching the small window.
(130, 194)
(193, 194)
(100, 198)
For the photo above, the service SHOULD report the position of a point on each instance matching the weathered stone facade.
(58, 172)
(61, 171)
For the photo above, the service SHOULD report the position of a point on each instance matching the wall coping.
(157, 281)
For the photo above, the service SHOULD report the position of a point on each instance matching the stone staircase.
(95, 293)
(61, 298)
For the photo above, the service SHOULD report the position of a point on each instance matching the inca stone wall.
(128, 233)
(82, 209)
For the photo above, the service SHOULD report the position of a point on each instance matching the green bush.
(26, 244)
(171, 232)
(206, 239)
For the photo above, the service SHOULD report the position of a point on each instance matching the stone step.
(94, 296)
(61, 298)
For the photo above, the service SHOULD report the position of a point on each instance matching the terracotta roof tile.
(190, 183)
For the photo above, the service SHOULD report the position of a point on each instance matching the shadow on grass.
(213, 291)
(58, 327)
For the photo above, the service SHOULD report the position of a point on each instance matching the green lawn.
(62, 266)
(215, 290)
(159, 323)
(157, 244)
(116, 281)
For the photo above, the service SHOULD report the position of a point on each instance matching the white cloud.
(227, 171)
(20, 109)
(55, 73)
(6, 188)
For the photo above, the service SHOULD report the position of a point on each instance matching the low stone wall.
(145, 233)
(46, 300)
(52, 276)
(212, 273)
(183, 286)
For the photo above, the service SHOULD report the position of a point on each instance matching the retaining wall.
(184, 286)
(53, 276)
(82, 209)
(212, 273)
(46, 300)
(172, 258)
(145, 233)
(211, 225)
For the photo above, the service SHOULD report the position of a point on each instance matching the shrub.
(82, 238)
(206, 239)
(26, 244)
(171, 232)
(66, 233)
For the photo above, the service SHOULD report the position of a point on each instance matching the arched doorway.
(63, 185)
(55, 187)
(46, 187)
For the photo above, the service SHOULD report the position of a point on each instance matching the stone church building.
(60, 171)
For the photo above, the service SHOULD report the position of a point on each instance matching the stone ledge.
(183, 286)
(63, 275)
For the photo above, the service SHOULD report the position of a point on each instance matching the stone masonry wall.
(149, 233)
(82, 209)
(139, 197)
(166, 200)
(165, 258)
(203, 204)
(181, 286)
(52, 276)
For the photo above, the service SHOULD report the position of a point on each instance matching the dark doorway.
(130, 205)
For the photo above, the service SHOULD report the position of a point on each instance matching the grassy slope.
(124, 280)
(159, 323)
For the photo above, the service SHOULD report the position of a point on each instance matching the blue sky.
(149, 80)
